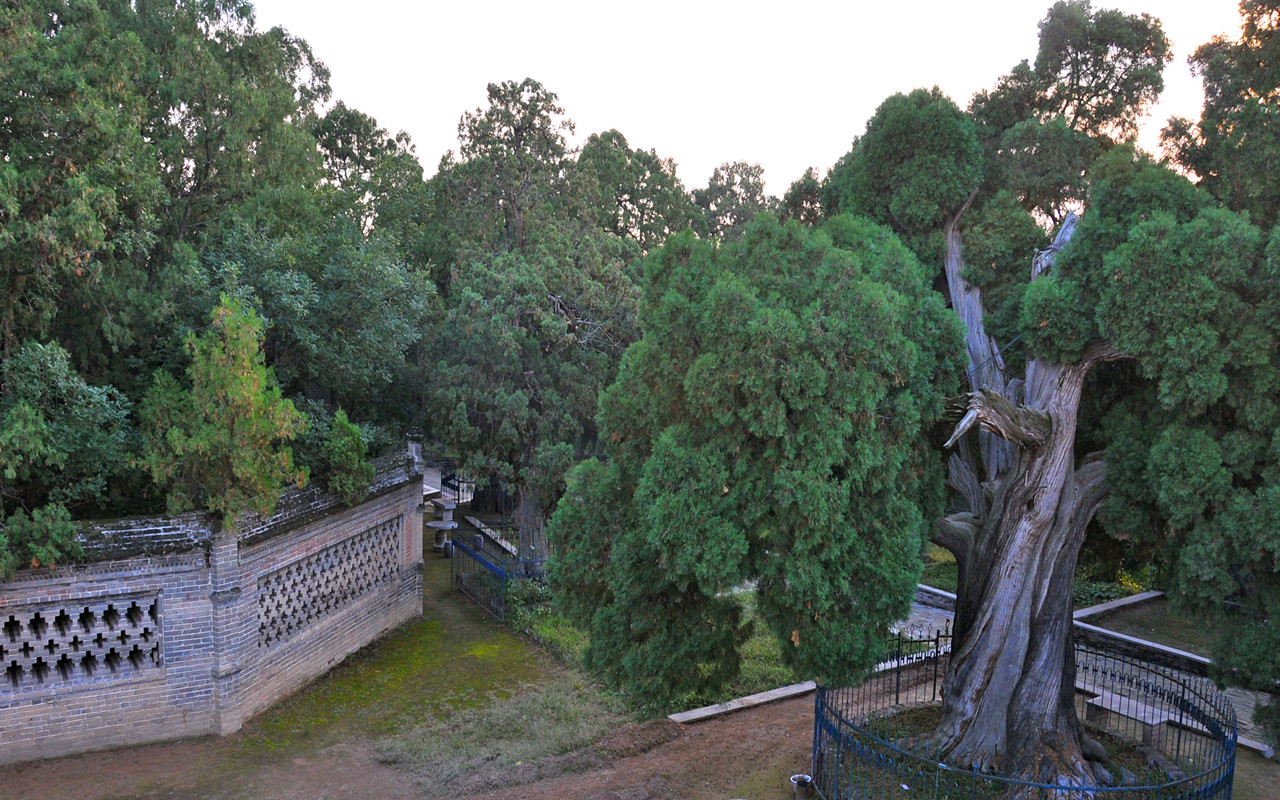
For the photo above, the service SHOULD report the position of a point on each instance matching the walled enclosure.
(172, 627)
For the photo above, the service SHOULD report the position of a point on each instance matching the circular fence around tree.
(1178, 732)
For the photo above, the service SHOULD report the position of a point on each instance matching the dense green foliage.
(540, 301)
(803, 200)
(1188, 288)
(916, 166)
(733, 197)
(156, 157)
(62, 442)
(1233, 147)
(349, 473)
(526, 344)
(218, 444)
(168, 163)
(636, 194)
(766, 426)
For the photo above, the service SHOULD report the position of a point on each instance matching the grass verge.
(535, 723)
(762, 666)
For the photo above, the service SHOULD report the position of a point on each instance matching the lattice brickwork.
(113, 636)
(306, 591)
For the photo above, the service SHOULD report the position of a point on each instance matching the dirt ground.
(749, 754)
(320, 744)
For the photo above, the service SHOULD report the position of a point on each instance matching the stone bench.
(1151, 723)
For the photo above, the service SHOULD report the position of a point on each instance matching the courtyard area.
(352, 734)
(413, 716)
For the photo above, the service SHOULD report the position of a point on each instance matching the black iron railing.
(1180, 724)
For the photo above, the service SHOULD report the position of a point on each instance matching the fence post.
(937, 656)
(1182, 706)
(504, 594)
(817, 740)
(897, 673)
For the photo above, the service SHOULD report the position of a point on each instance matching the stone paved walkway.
(926, 619)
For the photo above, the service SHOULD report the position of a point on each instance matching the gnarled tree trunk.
(1008, 700)
(531, 522)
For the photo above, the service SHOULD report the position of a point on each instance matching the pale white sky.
(787, 84)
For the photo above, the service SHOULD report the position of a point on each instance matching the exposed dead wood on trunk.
(962, 478)
(996, 414)
(1008, 701)
(957, 532)
(986, 366)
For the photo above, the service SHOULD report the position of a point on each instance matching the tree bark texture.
(531, 523)
(1008, 700)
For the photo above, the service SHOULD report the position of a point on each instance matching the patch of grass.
(901, 723)
(1256, 777)
(557, 634)
(941, 575)
(530, 611)
(451, 658)
(762, 665)
(537, 722)
(1156, 622)
(1085, 593)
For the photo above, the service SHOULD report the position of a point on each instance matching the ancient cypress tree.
(1171, 443)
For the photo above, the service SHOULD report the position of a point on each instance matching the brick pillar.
(226, 626)
(413, 531)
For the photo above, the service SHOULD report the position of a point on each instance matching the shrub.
(350, 474)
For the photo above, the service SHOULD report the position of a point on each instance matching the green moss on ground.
(453, 657)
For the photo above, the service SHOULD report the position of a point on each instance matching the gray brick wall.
(161, 636)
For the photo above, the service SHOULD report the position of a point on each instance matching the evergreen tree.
(767, 426)
(219, 444)
(525, 346)
(349, 473)
(1234, 146)
(733, 196)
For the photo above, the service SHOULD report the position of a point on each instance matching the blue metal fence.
(1183, 723)
(482, 573)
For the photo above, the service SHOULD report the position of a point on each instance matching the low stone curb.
(750, 701)
(1112, 605)
(935, 598)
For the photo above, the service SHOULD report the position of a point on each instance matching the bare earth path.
(749, 754)
(319, 744)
